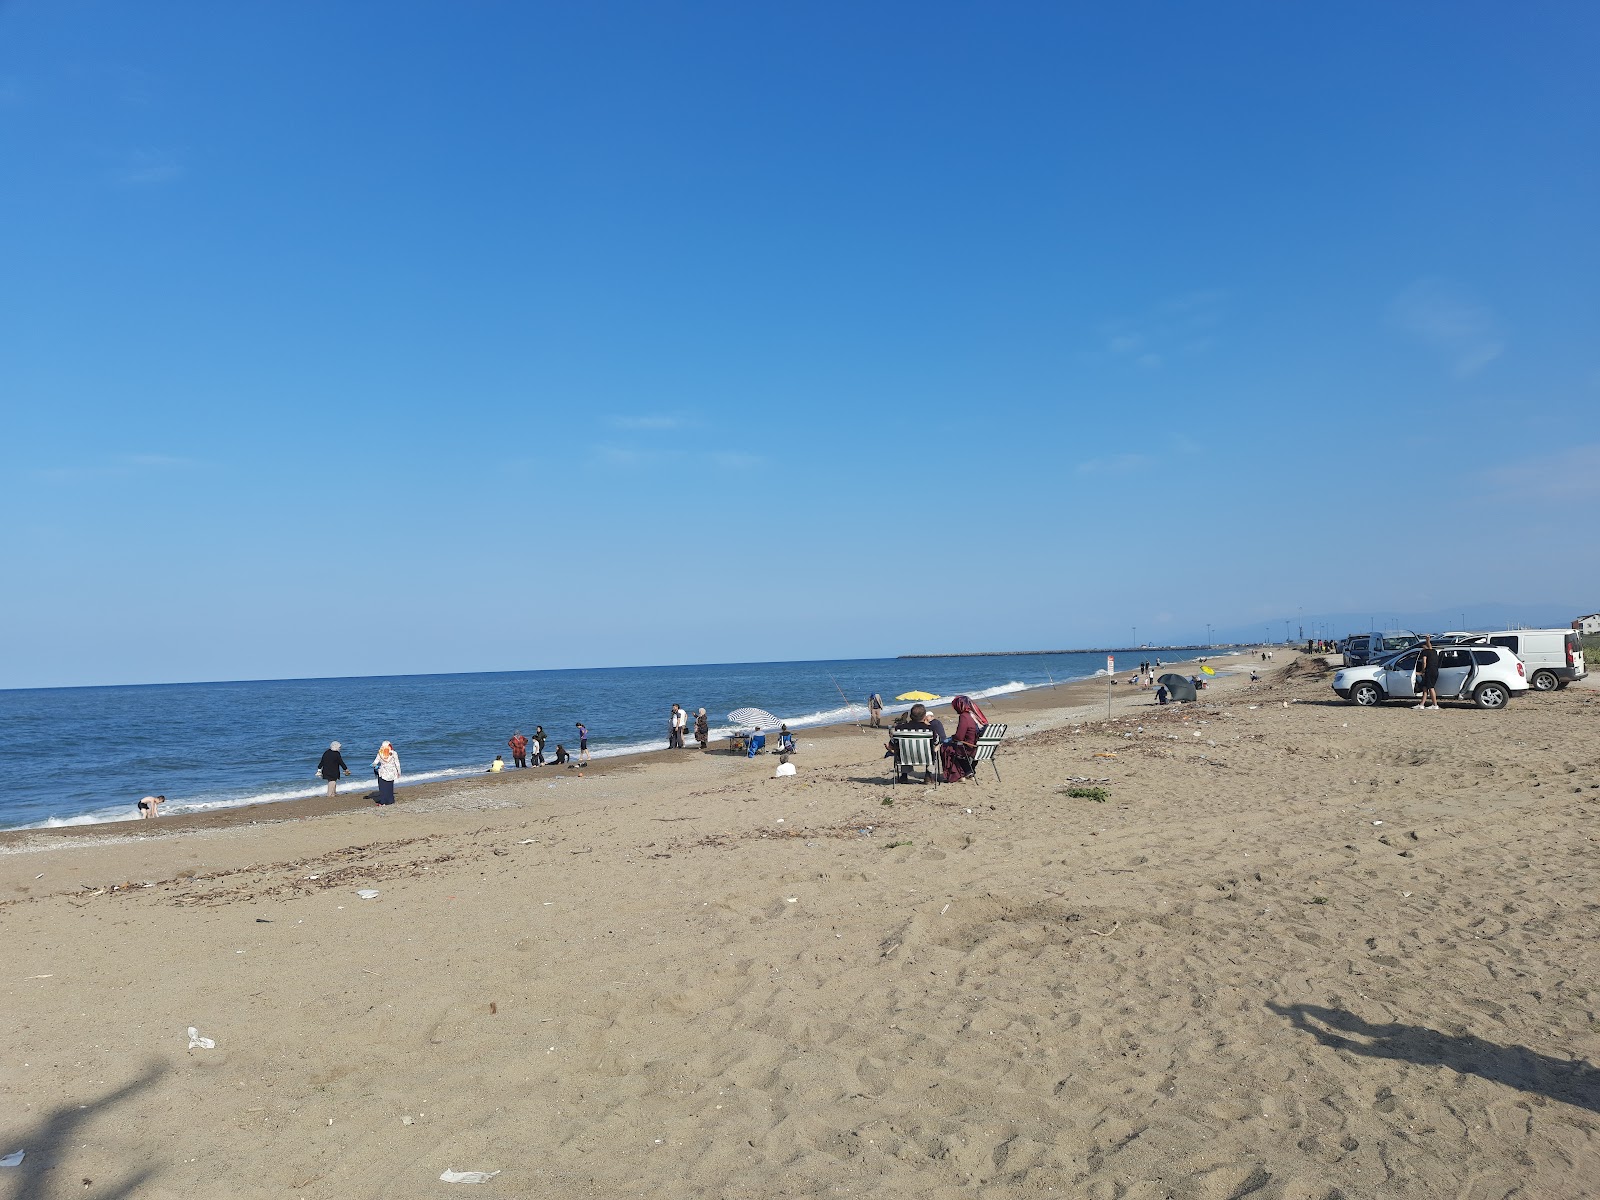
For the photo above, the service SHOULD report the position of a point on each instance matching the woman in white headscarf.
(387, 768)
(702, 728)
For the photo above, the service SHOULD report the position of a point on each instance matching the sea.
(84, 755)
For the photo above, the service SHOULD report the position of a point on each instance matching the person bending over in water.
(147, 806)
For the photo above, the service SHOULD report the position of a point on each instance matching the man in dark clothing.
(1428, 675)
(330, 766)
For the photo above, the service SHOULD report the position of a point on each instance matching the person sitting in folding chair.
(958, 751)
(915, 719)
(785, 740)
(758, 743)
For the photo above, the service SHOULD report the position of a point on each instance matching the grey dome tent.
(1178, 687)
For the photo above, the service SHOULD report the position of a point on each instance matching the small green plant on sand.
(896, 845)
(1319, 899)
(1098, 794)
(886, 801)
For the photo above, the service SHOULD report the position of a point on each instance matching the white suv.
(1487, 675)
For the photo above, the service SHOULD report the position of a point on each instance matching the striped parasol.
(758, 718)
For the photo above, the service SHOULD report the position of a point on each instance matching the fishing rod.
(848, 705)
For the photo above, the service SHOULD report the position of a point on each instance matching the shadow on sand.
(54, 1134)
(1575, 1083)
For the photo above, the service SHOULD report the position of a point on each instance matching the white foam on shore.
(173, 808)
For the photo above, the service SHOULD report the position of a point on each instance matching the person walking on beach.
(675, 729)
(702, 728)
(519, 749)
(875, 705)
(538, 745)
(147, 806)
(583, 744)
(387, 768)
(330, 766)
(1427, 676)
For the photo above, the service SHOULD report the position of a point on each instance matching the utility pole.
(1208, 634)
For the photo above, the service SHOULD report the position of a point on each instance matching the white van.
(1554, 657)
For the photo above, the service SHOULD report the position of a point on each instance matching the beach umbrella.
(916, 696)
(1178, 687)
(758, 718)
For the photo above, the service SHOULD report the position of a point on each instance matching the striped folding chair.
(914, 748)
(988, 742)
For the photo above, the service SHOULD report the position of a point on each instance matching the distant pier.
(1090, 650)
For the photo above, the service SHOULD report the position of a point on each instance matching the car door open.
(1455, 665)
(1399, 676)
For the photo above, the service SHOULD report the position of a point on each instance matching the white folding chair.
(914, 748)
(988, 742)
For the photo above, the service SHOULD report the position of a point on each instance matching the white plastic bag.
(196, 1042)
(453, 1176)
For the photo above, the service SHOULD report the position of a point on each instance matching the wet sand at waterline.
(1300, 950)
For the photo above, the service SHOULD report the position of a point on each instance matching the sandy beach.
(1301, 950)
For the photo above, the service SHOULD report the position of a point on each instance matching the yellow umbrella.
(1208, 670)
(916, 696)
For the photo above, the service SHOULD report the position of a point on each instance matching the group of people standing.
(529, 752)
(678, 726)
(1145, 676)
(386, 766)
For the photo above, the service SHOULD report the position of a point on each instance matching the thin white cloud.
(156, 460)
(1450, 322)
(1570, 476)
(1175, 326)
(647, 424)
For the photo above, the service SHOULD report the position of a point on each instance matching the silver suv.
(1486, 675)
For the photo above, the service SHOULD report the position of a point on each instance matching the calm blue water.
(81, 755)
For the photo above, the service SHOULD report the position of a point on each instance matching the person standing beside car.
(1428, 675)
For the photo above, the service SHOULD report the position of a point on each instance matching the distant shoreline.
(1091, 650)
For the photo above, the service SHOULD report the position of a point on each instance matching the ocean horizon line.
(758, 662)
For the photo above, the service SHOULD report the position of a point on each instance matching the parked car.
(1553, 657)
(1485, 674)
(1363, 648)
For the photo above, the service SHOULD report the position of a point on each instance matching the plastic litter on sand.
(196, 1042)
(13, 1159)
(367, 893)
(451, 1176)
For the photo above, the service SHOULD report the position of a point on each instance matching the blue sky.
(379, 338)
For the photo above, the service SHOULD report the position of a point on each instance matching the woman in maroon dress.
(959, 750)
